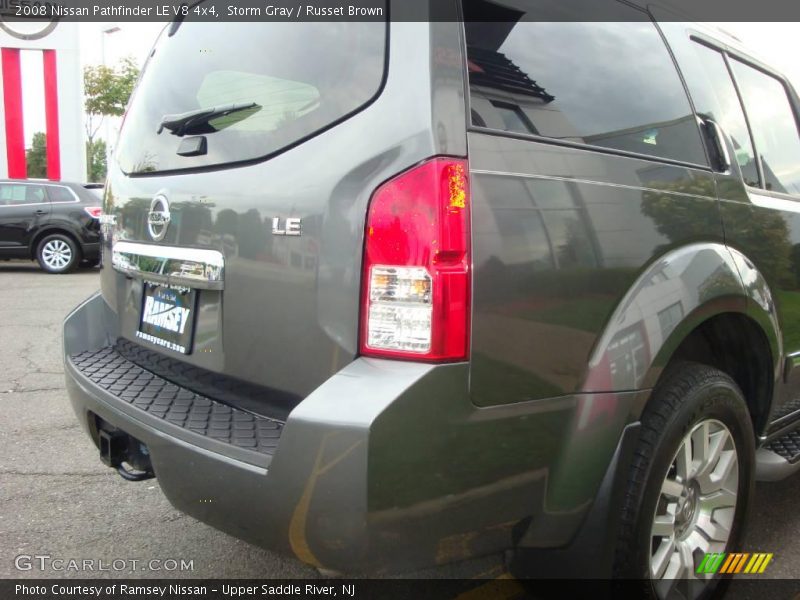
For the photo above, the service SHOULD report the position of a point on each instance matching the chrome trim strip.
(46, 202)
(172, 265)
(774, 203)
(589, 181)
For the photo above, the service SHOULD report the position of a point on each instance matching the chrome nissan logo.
(158, 218)
(28, 28)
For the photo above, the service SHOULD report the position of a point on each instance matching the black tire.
(58, 253)
(691, 396)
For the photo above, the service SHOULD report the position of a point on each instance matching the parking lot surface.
(57, 499)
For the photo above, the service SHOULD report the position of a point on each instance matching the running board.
(780, 458)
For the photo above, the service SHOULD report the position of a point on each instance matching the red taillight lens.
(416, 280)
(93, 211)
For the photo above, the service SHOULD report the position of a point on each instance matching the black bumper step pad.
(146, 391)
(787, 447)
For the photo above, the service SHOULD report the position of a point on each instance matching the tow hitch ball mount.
(128, 456)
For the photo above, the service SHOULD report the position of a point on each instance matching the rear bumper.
(386, 466)
(91, 250)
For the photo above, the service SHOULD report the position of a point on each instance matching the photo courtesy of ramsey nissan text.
(400, 299)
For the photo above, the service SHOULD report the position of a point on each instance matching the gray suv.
(390, 295)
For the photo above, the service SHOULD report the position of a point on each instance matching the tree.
(36, 156)
(762, 234)
(107, 91)
(96, 160)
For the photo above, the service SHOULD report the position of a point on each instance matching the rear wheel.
(690, 483)
(57, 253)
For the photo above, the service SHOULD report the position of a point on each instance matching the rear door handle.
(40, 212)
(717, 138)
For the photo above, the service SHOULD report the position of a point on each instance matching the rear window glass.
(715, 96)
(774, 127)
(263, 86)
(56, 193)
(608, 84)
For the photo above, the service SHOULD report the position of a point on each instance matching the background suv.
(54, 223)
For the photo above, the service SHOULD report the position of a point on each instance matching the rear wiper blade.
(181, 123)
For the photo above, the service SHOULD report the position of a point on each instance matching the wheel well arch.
(50, 231)
(735, 344)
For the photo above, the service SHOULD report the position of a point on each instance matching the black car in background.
(55, 223)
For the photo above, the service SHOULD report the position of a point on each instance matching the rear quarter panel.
(560, 237)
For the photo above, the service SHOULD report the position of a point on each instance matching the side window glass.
(608, 84)
(715, 97)
(6, 194)
(60, 194)
(774, 127)
(15, 194)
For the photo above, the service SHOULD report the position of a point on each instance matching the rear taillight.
(93, 211)
(416, 280)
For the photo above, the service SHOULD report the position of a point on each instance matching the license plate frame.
(167, 317)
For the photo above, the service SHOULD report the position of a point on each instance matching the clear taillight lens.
(417, 265)
(400, 309)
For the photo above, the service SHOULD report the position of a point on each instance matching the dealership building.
(61, 75)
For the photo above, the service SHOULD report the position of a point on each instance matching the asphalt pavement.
(58, 500)
(56, 497)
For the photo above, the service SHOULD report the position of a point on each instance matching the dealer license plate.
(167, 318)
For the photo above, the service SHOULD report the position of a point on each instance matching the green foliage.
(763, 234)
(587, 312)
(789, 304)
(96, 160)
(679, 217)
(107, 89)
(36, 156)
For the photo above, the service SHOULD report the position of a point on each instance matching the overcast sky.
(777, 43)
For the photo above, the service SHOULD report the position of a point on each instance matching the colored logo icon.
(734, 562)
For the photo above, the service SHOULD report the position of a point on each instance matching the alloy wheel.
(57, 254)
(695, 509)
